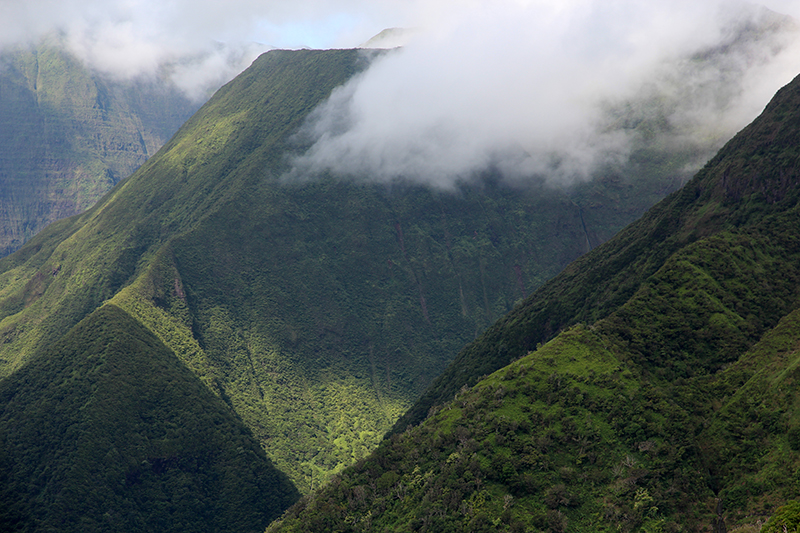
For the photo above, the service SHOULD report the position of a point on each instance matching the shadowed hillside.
(318, 310)
(107, 430)
(648, 387)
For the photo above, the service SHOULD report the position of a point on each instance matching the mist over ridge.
(472, 58)
(317, 313)
(560, 93)
(198, 44)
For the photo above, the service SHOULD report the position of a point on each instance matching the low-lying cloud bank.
(557, 88)
(199, 43)
(557, 91)
(127, 39)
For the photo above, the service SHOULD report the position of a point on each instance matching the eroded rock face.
(67, 135)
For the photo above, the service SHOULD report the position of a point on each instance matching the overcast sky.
(526, 87)
(140, 33)
(479, 78)
(131, 37)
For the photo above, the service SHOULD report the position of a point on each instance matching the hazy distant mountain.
(653, 385)
(68, 134)
(390, 38)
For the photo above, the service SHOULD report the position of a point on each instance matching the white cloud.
(528, 85)
(481, 79)
(132, 37)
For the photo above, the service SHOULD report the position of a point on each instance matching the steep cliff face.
(67, 135)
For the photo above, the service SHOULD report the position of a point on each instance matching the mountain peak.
(391, 38)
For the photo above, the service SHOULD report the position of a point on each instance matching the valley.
(661, 398)
(219, 339)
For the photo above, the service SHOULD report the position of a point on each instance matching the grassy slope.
(319, 311)
(753, 175)
(96, 433)
(674, 410)
(67, 135)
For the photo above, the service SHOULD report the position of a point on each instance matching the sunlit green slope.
(652, 386)
(106, 430)
(68, 134)
(319, 311)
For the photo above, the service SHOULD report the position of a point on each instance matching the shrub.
(785, 520)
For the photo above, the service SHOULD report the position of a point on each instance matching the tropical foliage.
(320, 309)
(97, 434)
(308, 315)
(649, 387)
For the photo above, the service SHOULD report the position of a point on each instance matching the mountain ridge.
(111, 434)
(712, 186)
(315, 310)
(318, 309)
(664, 406)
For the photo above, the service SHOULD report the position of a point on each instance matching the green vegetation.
(317, 310)
(96, 434)
(553, 442)
(67, 135)
(651, 386)
(313, 313)
(786, 519)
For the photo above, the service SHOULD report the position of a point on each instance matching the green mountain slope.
(96, 434)
(652, 386)
(318, 310)
(67, 135)
(750, 178)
